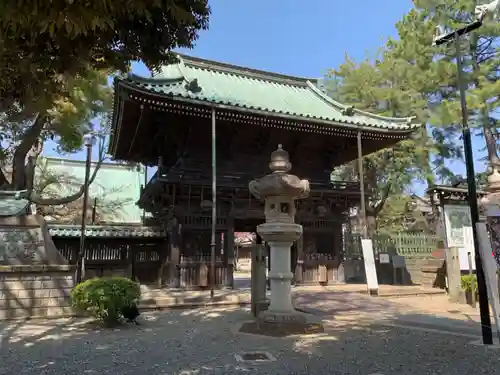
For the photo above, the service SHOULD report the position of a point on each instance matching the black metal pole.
(214, 208)
(145, 184)
(80, 266)
(94, 211)
(364, 229)
(484, 307)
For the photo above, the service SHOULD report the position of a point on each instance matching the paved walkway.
(431, 312)
(412, 335)
(165, 298)
(205, 341)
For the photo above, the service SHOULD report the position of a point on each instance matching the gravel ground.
(204, 341)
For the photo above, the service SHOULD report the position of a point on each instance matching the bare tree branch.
(383, 199)
(35, 198)
(28, 140)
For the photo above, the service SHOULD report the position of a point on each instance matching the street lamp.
(88, 141)
(440, 39)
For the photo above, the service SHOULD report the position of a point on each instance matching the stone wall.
(421, 271)
(35, 291)
(427, 272)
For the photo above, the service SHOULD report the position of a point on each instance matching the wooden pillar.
(218, 245)
(163, 255)
(219, 277)
(175, 254)
(229, 255)
(300, 260)
(131, 261)
(170, 256)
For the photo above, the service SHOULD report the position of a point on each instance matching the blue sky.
(292, 38)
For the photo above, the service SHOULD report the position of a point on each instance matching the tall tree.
(69, 117)
(427, 77)
(380, 87)
(53, 53)
(481, 66)
(42, 43)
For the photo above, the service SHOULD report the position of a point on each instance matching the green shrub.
(104, 298)
(469, 283)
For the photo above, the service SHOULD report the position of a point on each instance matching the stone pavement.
(410, 307)
(431, 312)
(153, 298)
(205, 341)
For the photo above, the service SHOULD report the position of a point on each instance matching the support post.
(299, 269)
(173, 258)
(229, 254)
(474, 210)
(214, 206)
(80, 267)
(364, 229)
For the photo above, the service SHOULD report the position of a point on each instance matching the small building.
(196, 114)
(116, 240)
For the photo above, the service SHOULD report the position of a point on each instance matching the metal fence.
(409, 245)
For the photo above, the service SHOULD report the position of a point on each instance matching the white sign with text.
(370, 269)
(490, 269)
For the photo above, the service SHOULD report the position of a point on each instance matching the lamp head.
(438, 33)
(89, 140)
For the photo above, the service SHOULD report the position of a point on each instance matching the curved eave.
(405, 129)
(401, 121)
(152, 80)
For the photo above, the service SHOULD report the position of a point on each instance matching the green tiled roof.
(113, 183)
(105, 231)
(13, 203)
(198, 80)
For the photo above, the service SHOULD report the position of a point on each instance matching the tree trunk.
(29, 139)
(371, 224)
(31, 160)
(489, 137)
(4, 183)
(491, 144)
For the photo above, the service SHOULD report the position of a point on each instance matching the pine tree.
(381, 87)
(481, 64)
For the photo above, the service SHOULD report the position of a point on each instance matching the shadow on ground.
(346, 305)
(206, 341)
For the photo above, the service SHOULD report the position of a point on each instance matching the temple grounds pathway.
(363, 335)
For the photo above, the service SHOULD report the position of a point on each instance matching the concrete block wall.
(35, 294)
(426, 272)
(90, 273)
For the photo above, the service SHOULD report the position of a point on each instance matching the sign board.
(384, 258)
(490, 268)
(458, 223)
(398, 261)
(463, 256)
(370, 269)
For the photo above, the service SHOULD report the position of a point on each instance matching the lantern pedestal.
(279, 191)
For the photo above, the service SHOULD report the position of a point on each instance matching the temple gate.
(174, 120)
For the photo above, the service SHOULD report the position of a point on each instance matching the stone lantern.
(280, 190)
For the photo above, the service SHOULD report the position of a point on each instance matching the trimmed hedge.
(104, 298)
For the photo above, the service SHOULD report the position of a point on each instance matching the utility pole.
(484, 308)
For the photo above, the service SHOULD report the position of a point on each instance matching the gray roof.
(106, 231)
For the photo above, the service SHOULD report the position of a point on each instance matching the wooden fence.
(409, 245)
(114, 258)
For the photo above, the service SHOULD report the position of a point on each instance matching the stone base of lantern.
(276, 324)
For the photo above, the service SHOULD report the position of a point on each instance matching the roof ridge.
(197, 62)
(345, 108)
(66, 161)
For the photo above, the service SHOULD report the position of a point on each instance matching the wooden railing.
(104, 260)
(410, 245)
(239, 179)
